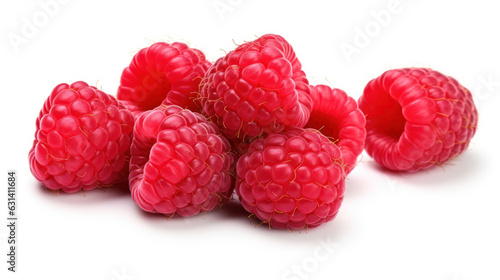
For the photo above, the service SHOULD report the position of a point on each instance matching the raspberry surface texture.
(163, 73)
(417, 118)
(338, 117)
(293, 179)
(257, 88)
(82, 139)
(180, 163)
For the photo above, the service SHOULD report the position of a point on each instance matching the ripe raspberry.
(180, 164)
(292, 180)
(338, 117)
(82, 139)
(259, 87)
(417, 118)
(168, 73)
(134, 109)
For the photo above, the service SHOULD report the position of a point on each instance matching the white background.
(438, 224)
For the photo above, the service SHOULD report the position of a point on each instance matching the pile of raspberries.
(186, 133)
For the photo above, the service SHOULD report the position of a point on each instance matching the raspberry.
(338, 117)
(257, 88)
(168, 73)
(82, 139)
(292, 180)
(180, 164)
(417, 118)
(133, 108)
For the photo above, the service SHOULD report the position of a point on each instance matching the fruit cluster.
(187, 133)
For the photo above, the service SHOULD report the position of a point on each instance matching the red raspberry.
(82, 139)
(132, 107)
(180, 163)
(169, 73)
(292, 180)
(417, 118)
(259, 87)
(338, 117)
